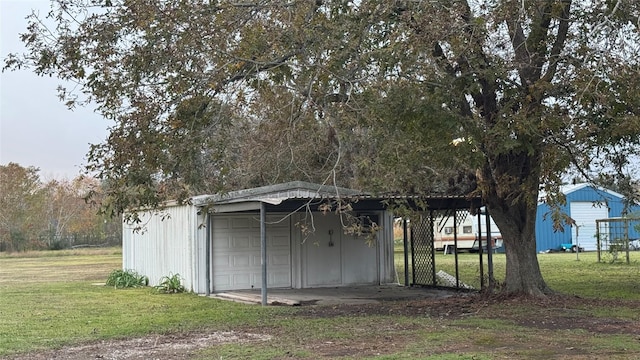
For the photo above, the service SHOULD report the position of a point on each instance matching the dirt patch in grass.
(552, 313)
(570, 313)
(169, 347)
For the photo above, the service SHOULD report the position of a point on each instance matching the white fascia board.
(240, 206)
(235, 207)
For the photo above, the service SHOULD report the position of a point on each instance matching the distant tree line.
(53, 214)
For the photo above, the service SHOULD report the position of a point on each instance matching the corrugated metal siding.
(546, 238)
(633, 232)
(165, 245)
(199, 271)
(385, 239)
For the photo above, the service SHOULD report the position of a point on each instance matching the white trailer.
(463, 233)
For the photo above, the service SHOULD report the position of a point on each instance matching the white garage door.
(585, 215)
(236, 253)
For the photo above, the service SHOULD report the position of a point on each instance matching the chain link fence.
(616, 237)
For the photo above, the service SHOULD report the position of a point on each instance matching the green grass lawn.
(53, 299)
(569, 273)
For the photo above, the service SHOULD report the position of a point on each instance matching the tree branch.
(527, 49)
(519, 43)
(561, 37)
(444, 63)
(258, 67)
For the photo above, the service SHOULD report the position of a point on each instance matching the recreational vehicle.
(464, 236)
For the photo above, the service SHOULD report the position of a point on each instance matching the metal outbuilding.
(585, 204)
(215, 242)
(280, 236)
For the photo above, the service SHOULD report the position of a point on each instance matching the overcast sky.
(36, 129)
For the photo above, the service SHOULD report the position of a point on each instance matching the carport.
(419, 230)
(418, 245)
(420, 274)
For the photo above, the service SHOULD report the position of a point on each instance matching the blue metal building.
(585, 204)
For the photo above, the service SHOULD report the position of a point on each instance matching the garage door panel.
(279, 260)
(242, 279)
(242, 223)
(274, 278)
(241, 242)
(221, 262)
(242, 261)
(224, 242)
(221, 223)
(256, 261)
(222, 281)
(279, 241)
(236, 260)
(279, 278)
(255, 243)
(585, 215)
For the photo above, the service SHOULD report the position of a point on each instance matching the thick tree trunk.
(510, 190)
(523, 274)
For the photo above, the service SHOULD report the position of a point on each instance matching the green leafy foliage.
(22, 200)
(171, 284)
(53, 214)
(126, 279)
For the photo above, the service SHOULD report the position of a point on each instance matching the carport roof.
(284, 191)
(292, 195)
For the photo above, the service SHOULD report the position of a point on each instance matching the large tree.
(22, 204)
(504, 95)
(35, 214)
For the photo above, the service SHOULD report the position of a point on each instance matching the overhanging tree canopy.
(507, 95)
